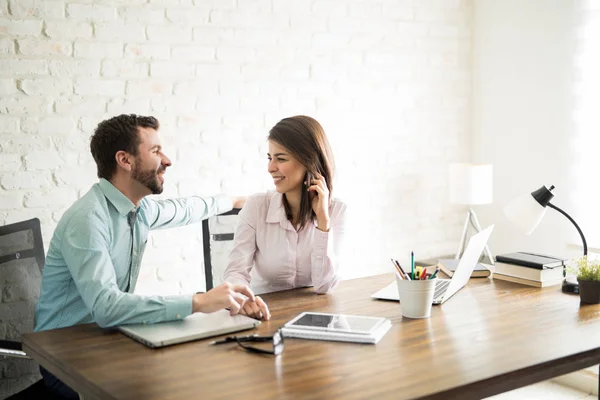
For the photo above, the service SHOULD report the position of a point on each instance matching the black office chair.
(21, 263)
(222, 232)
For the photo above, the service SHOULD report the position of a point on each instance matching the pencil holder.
(416, 297)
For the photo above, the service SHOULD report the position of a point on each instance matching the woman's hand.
(319, 194)
(256, 309)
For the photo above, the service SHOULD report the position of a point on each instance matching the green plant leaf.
(586, 270)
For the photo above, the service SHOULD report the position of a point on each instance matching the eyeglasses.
(276, 339)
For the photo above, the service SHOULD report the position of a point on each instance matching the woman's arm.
(241, 258)
(327, 251)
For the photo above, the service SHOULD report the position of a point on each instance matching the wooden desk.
(491, 337)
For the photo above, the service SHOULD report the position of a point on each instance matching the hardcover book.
(528, 282)
(531, 260)
(448, 266)
(533, 274)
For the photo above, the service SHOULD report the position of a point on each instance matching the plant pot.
(589, 291)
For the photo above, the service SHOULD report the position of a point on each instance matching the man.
(95, 254)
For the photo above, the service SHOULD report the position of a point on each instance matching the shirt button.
(178, 315)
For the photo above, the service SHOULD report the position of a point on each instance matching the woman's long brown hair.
(305, 139)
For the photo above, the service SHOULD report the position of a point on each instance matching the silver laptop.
(445, 288)
(193, 327)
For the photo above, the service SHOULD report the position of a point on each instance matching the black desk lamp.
(527, 211)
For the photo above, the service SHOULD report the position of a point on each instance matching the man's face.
(150, 163)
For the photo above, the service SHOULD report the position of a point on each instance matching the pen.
(424, 274)
(398, 269)
(401, 270)
(394, 263)
(412, 264)
(246, 338)
(434, 273)
(228, 339)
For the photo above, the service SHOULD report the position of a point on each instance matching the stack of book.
(529, 269)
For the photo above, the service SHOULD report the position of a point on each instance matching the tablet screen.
(335, 322)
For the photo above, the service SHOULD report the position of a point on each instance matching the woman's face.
(287, 172)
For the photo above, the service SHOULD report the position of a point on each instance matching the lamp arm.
(574, 223)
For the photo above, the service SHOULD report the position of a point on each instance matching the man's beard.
(149, 178)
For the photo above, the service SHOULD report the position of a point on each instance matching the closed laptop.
(193, 327)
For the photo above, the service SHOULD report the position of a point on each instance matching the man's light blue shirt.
(92, 268)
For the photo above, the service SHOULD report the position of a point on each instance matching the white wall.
(523, 70)
(389, 81)
(586, 120)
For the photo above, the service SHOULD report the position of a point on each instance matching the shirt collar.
(123, 205)
(276, 212)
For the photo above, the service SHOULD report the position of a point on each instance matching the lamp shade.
(525, 212)
(470, 183)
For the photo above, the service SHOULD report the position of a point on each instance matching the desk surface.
(491, 337)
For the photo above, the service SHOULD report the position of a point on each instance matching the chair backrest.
(217, 240)
(21, 263)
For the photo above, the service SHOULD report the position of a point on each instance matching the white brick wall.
(389, 81)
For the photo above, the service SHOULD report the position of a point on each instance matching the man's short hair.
(116, 134)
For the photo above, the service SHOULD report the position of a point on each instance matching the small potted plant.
(588, 276)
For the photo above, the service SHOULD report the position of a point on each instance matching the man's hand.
(256, 309)
(238, 202)
(225, 295)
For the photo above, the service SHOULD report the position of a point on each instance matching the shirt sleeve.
(241, 258)
(327, 251)
(85, 248)
(172, 213)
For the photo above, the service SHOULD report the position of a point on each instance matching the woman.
(292, 237)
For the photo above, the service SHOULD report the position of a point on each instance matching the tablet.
(335, 323)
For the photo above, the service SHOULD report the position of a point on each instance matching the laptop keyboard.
(440, 288)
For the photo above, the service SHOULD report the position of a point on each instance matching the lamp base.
(570, 285)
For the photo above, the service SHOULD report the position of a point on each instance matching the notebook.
(532, 274)
(338, 336)
(193, 327)
(337, 327)
(529, 282)
(531, 260)
(448, 266)
(446, 288)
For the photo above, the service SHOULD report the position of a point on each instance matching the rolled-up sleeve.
(327, 251)
(85, 247)
(183, 211)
